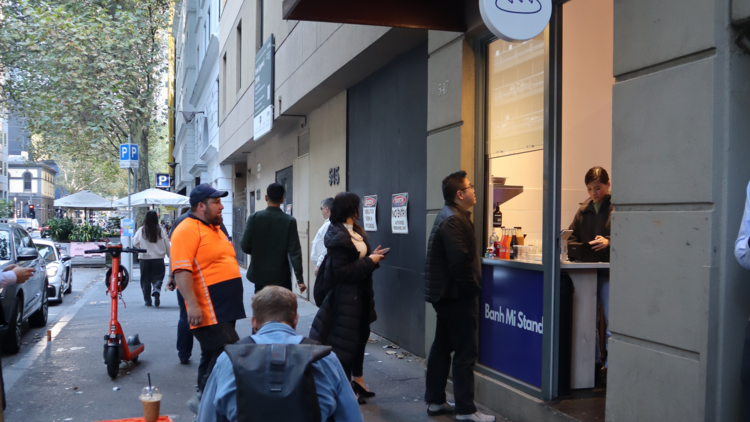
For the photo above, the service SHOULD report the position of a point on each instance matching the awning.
(84, 200)
(440, 15)
(152, 196)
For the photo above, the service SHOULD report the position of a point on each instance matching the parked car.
(21, 302)
(59, 271)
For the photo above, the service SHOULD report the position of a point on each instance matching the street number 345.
(333, 176)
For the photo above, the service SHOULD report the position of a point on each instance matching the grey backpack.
(275, 381)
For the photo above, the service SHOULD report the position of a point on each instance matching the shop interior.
(516, 94)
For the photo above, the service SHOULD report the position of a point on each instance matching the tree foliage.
(85, 75)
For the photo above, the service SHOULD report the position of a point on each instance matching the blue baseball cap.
(204, 191)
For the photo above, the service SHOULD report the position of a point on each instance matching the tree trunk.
(139, 135)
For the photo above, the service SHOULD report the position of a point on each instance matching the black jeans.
(745, 374)
(356, 367)
(456, 332)
(152, 275)
(184, 337)
(212, 339)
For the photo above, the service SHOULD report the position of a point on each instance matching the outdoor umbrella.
(153, 196)
(84, 200)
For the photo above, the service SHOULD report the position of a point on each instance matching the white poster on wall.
(369, 210)
(399, 221)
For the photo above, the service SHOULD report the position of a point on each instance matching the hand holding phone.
(385, 251)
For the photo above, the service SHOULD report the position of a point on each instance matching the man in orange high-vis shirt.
(208, 277)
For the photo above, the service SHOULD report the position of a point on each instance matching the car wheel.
(13, 336)
(112, 361)
(61, 295)
(69, 290)
(39, 318)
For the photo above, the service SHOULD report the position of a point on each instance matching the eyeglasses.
(471, 186)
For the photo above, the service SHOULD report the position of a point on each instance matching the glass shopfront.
(546, 122)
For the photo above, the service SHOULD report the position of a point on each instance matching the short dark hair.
(327, 203)
(597, 174)
(453, 183)
(274, 303)
(275, 193)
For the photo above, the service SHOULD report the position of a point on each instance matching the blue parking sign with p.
(128, 156)
(162, 180)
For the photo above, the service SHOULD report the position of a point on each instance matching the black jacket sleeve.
(295, 251)
(247, 236)
(575, 225)
(457, 240)
(347, 271)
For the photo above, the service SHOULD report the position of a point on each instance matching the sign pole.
(129, 257)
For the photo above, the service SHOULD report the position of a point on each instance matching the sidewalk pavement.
(68, 381)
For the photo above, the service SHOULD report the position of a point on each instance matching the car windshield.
(4, 246)
(46, 252)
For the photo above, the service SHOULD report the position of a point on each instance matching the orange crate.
(161, 419)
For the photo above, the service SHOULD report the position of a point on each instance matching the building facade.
(4, 136)
(387, 99)
(32, 183)
(196, 31)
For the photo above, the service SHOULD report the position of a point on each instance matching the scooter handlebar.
(102, 249)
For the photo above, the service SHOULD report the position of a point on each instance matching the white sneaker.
(479, 417)
(439, 409)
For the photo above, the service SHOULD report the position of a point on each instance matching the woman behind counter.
(591, 225)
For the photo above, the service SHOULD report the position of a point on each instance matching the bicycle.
(115, 350)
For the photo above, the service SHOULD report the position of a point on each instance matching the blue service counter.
(511, 319)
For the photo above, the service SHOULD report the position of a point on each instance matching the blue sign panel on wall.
(511, 322)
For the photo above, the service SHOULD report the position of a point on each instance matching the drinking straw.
(150, 390)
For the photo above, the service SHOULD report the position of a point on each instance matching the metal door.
(285, 178)
(239, 217)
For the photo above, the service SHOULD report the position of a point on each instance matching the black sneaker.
(157, 301)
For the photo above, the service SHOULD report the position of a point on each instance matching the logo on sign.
(162, 180)
(519, 7)
(516, 20)
(399, 200)
(369, 202)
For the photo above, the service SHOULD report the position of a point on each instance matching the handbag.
(319, 290)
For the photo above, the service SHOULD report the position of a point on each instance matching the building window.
(27, 181)
(239, 56)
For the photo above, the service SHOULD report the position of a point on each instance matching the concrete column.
(678, 300)
(450, 125)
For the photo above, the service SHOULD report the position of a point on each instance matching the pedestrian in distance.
(208, 277)
(274, 320)
(452, 286)
(153, 238)
(271, 238)
(318, 248)
(344, 290)
(742, 253)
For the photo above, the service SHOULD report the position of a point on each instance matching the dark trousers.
(152, 275)
(745, 374)
(356, 367)
(212, 339)
(184, 336)
(456, 332)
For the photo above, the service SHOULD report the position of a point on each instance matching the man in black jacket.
(452, 285)
(271, 238)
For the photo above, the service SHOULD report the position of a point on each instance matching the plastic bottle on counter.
(499, 245)
(493, 244)
(513, 243)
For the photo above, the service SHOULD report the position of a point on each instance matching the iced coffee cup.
(151, 401)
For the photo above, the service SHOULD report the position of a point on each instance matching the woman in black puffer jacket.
(344, 290)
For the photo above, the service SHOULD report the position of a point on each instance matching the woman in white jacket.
(155, 241)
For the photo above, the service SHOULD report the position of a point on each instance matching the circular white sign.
(516, 20)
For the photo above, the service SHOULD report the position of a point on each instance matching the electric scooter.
(115, 349)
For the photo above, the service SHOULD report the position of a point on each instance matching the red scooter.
(115, 349)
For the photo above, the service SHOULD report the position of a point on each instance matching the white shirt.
(157, 250)
(318, 249)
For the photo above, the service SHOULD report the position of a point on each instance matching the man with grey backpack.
(276, 374)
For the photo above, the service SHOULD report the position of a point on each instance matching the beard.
(215, 220)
